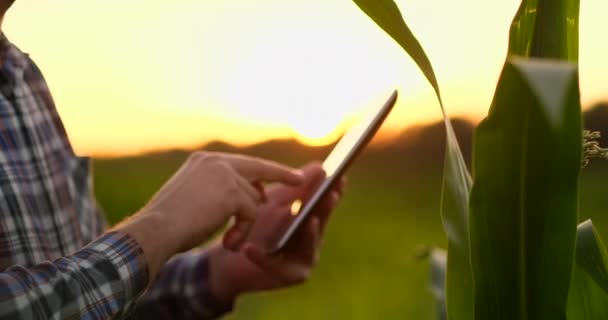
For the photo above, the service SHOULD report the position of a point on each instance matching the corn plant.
(514, 248)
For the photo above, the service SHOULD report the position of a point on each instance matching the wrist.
(158, 246)
(221, 285)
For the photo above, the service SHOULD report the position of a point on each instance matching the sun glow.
(140, 75)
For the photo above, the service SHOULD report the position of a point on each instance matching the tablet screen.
(342, 155)
(350, 140)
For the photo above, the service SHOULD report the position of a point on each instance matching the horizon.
(141, 83)
(380, 141)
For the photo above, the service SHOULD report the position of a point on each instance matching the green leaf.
(455, 191)
(438, 260)
(524, 199)
(522, 29)
(456, 181)
(547, 29)
(588, 297)
(456, 188)
(387, 16)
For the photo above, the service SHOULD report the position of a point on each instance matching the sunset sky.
(139, 75)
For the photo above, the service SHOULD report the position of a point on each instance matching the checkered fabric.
(55, 260)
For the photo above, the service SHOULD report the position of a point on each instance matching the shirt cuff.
(214, 307)
(127, 257)
(182, 291)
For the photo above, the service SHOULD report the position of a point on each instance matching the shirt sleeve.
(182, 292)
(101, 281)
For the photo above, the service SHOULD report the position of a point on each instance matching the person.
(59, 261)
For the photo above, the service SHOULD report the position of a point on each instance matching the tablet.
(343, 154)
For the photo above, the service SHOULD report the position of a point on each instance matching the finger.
(322, 210)
(325, 208)
(249, 189)
(305, 193)
(245, 217)
(231, 239)
(316, 236)
(237, 234)
(286, 271)
(342, 185)
(261, 189)
(254, 169)
(316, 177)
(313, 171)
(312, 175)
(306, 243)
(284, 195)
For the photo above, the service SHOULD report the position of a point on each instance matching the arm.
(102, 280)
(182, 291)
(97, 282)
(204, 284)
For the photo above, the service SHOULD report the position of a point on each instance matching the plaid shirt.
(55, 261)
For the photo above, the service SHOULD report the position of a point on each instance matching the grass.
(367, 270)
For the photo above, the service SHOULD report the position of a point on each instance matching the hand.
(251, 268)
(200, 198)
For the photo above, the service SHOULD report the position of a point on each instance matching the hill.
(415, 147)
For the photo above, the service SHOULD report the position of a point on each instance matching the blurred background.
(140, 83)
(368, 268)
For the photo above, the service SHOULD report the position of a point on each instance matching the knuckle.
(210, 158)
(198, 155)
(217, 165)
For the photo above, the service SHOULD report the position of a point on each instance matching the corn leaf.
(387, 16)
(550, 29)
(522, 29)
(457, 180)
(524, 199)
(546, 29)
(588, 297)
(457, 183)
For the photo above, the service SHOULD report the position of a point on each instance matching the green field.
(367, 269)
